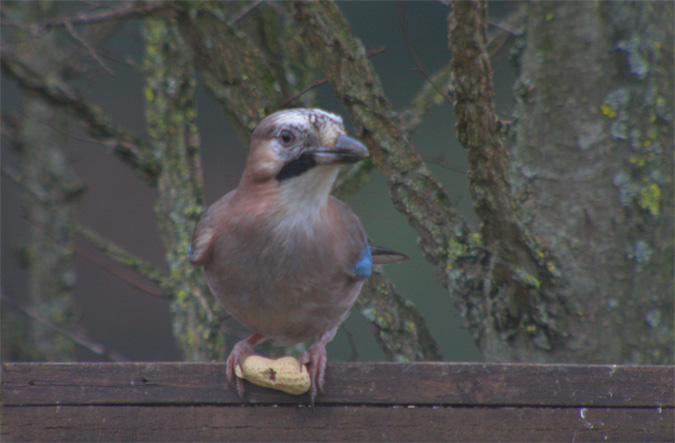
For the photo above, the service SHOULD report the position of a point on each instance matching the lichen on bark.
(171, 120)
(593, 167)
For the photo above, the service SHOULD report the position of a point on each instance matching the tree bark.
(171, 119)
(51, 194)
(589, 171)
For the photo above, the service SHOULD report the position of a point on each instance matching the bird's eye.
(286, 137)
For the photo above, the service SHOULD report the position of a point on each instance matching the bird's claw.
(239, 353)
(315, 358)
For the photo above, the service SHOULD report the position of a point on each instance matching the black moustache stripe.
(296, 167)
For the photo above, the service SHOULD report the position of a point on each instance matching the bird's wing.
(202, 241)
(385, 256)
(201, 245)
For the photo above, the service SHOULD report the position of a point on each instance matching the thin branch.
(82, 340)
(246, 12)
(121, 275)
(130, 10)
(430, 96)
(322, 81)
(301, 92)
(248, 91)
(399, 328)
(88, 47)
(442, 161)
(418, 63)
(353, 348)
(427, 98)
(119, 255)
(18, 179)
(13, 175)
(112, 251)
(506, 30)
(414, 190)
(505, 27)
(60, 131)
(126, 146)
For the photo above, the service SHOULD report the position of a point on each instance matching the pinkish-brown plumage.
(285, 258)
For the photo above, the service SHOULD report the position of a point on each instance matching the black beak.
(346, 150)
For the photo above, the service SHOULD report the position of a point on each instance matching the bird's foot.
(239, 353)
(315, 357)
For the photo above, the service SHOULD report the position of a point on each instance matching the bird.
(282, 255)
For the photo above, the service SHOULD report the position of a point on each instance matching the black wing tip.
(386, 256)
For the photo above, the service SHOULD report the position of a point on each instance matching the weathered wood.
(334, 423)
(347, 383)
(365, 401)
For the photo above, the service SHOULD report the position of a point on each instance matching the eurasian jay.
(284, 257)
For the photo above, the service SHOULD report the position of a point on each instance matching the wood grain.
(347, 383)
(334, 423)
(365, 401)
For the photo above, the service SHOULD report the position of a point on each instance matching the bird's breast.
(285, 276)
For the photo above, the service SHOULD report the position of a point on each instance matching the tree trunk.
(51, 195)
(591, 172)
(171, 119)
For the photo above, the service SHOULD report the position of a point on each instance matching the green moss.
(192, 211)
(191, 339)
(149, 94)
(608, 111)
(411, 327)
(475, 239)
(637, 160)
(453, 251)
(650, 198)
(371, 315)
(529, 279)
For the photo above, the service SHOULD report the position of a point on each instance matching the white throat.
(303, 198)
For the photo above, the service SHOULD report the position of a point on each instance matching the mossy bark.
(414, 190)
(171, 120)
(587, 178)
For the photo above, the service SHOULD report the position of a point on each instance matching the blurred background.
(119, 205)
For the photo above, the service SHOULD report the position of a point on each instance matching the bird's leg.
(315, 357)
(239, 353)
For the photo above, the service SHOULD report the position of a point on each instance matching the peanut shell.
(285, 374)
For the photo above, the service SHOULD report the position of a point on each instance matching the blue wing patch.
(189, 254)
(363, 267)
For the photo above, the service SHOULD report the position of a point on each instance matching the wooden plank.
(347, 383)
(343, 423)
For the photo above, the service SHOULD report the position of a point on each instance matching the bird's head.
(300, 152)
